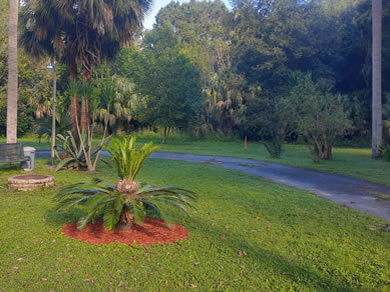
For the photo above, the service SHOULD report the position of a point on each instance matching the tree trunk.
(73, 70)
(74, 110)
(128, 188)
(12, 101)
(84, 123)
(126, 219)
(376, 77)
(74, 100)
(165, 135)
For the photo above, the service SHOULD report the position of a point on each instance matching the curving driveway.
(351, 192)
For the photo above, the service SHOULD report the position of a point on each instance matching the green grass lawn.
(247, 234)
(354, 162)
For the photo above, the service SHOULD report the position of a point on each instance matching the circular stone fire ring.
(29, 182)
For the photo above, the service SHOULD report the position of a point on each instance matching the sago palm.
(128, 201)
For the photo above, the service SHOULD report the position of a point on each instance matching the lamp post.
(51, 67)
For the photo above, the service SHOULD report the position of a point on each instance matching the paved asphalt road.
(354, 193)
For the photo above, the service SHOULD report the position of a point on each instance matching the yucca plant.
(73, 156)
(128, 201)
(75, 151)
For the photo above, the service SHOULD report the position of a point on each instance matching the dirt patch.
(153, 231)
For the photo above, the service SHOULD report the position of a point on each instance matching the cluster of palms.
(79, 33)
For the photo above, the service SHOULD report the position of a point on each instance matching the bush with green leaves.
(128, 201)
(385, 152)
(319, 114)
(63, 125)
(25, 120)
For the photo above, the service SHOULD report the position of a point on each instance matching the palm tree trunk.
(84, 123)
(376, 77)
(74, 100)
(74, 110)
(12, 101)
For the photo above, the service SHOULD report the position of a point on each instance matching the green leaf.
(63, 163)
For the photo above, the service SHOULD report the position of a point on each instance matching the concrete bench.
(12, 153)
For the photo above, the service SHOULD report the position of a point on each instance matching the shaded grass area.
(353, 162)
(246, 234)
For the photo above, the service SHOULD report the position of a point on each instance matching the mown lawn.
(353, 162)
(247, 234)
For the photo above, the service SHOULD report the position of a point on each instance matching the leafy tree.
(34, 83)
(318, 113)
(25, 122)
(205, 38)
(168, 82)
(81, 32)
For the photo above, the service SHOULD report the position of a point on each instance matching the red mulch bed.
(153, 231)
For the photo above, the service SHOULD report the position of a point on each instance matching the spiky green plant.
(75, 154)
(127, 159)
(102, 199)
(72, 154)
(128, 201)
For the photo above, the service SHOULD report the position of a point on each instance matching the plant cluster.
(128, 201)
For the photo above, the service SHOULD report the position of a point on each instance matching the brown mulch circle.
(153, 231)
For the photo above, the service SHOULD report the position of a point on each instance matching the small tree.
(166, 79)
(268, 117)
(319, 114)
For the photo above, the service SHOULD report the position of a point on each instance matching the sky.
(157, 5)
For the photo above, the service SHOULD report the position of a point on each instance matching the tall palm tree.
(376, 77)
(12, 101)
(81, 32)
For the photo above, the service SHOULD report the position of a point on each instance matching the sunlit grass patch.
(246, 234)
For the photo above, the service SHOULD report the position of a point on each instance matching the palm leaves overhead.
(80, 31)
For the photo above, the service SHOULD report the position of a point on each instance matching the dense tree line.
(231, 72)
(261, 43)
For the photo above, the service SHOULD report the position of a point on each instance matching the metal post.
(53, 131)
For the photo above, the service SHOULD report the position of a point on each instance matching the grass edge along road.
(353, 162)
(246, 233)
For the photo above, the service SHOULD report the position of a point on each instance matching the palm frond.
(128, 160)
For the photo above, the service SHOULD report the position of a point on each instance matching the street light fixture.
(51, 67)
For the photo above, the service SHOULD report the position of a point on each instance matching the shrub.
(128, 201)
(385, 152)
(319, 114)
(25, 120)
